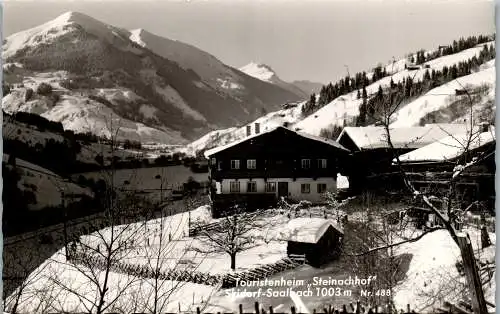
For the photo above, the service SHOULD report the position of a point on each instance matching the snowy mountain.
(346, 107)
(162, 90)
(439, 105)
(260, 71)
(265, 73)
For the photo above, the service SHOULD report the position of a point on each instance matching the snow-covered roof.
(309, 230)
(371, 137)
(215, 150)
(450, 147)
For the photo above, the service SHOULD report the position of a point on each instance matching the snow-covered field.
(63, 277)
(61, 287)
(45, 184)
(433, 276)
(269, 244)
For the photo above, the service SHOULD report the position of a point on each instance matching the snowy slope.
(442, 96)
(212, 71)
(45, 184)
(81, 114)
(347, 106)
(225, 136)
(432, 276)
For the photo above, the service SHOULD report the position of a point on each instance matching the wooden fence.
(212, 227)
(261, 272)
(226, 280)
(146, 272)
(229, 280)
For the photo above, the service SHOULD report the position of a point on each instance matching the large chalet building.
(431, 167)
(264, 166)
(370, 164)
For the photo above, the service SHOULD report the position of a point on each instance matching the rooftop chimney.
(257, 128)
(249, 130)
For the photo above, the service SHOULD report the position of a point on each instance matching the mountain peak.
(259, 71)
(73, 17)
(61, 25)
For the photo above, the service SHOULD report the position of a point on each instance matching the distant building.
(261, 168)
(318, 240)
(371, 154)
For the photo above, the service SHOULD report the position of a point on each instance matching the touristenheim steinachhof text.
(318, 286)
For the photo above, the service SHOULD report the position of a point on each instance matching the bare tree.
(451, 217)
(20, 270)
(231, 236)
(107, 239)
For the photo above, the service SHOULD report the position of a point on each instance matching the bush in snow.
(28, 94)
(5, 89)
(44, 89)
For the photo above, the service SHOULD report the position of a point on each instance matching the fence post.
(256, 307)
(472, 275)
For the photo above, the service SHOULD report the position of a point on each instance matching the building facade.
(263, 167)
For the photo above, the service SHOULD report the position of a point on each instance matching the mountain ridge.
(182, 91)
(345, 108)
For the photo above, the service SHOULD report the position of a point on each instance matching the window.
(251, 164)
(235, 164)
(219, 166)
(321, 188)
(322, 163)
(234, 187)
(213, 162)
(251, 187)
(306, 163)
(305, 188)
(271, 187)
(424, 189)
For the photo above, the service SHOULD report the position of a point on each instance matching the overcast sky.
(307, 39)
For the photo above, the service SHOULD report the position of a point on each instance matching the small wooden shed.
(318, 239)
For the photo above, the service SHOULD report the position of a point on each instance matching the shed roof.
(450, 147)
(309, 230)
(372, 137)
(218, 149)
